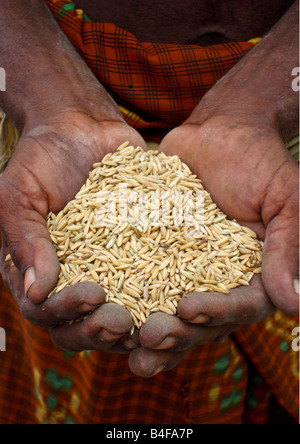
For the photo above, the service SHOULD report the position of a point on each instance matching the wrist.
(249, 104)
(229, 102)
(259, 87)
(44, 72)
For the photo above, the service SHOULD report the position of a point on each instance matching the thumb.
(280, 267)
(26, 236)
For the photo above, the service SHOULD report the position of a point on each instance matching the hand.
(51, 163)
(252, 178)
(201, 318)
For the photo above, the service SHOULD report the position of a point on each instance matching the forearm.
(260, 84)
(43, 71)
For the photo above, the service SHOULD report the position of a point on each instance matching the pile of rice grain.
(149, 267)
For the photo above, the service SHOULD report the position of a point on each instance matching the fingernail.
(167, 343)
(200, 319)
(130, 345)
(221, 339)
(107, 336)
(29, 279)
(296, 285)
(87, 308)
(159, 370)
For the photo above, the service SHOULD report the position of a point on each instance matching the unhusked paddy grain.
(137, 229)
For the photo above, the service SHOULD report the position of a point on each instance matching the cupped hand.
(201, 318)
(252, 178)
(51, 163)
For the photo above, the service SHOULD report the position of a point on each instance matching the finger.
(72, 303)
(166, 332)
(148, 363)
(280, 267)
(101, 331)
(13, 279)
(244, 305)
(25, 234)
(75, 301)
(10, 274)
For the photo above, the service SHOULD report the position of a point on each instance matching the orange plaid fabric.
(156, 85)
(253, 375)
(237, 382)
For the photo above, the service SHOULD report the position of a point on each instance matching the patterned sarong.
(251, 378)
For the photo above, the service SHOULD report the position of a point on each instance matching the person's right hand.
(51, 163)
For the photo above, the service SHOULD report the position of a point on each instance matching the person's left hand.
(252, 178)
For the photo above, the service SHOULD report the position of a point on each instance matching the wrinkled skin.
(258, 187)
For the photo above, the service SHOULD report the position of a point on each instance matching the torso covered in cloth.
(198, 22)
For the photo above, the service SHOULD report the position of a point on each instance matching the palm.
(50, 165)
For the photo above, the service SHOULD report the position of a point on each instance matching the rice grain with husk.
(148, 258)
